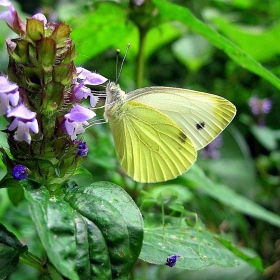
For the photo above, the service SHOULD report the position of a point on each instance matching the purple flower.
(211, 150)
(82, 148)
(9, 95)
(75, 120)
(260, 107)
(171, 261)
(8, 16)
(40, 17)
(25, 122)
(88, 78)
(11, 17)
(20, 172)
(5, 3)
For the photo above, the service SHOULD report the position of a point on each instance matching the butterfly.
(158, 130)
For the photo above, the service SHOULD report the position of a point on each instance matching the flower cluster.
(260, 108)
(41, 97)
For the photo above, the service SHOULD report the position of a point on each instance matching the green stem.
(144, 267)
(33, 261)
(141, 57)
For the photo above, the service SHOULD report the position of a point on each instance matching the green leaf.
(46, 53)
(96, 232)
(10, 250)
(56, 227)
(113, 211)
(34, 29)
(106, 19)
(16, 195)
(265, 136)
(171, 12)
(253, 261)
(197, 248)
(248, 38)
(196, 178)
(192, 50)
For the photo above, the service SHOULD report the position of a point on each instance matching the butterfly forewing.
(201, 116)
(150, 146)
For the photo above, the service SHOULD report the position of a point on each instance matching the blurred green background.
(179, 55)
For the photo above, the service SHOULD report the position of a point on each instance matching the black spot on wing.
(200, 125)
(183, 137)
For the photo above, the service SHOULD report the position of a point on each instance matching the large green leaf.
(196, 178)
(248, 38)
(97, 31)
(171, 12)
(117, 217)
(197, 247)
(197, 252)
(95, 232)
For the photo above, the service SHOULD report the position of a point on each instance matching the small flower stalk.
(41, 97)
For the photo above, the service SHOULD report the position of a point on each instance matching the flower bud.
(20, 172)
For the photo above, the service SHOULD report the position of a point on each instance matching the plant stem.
(141, 57)
(33, 261)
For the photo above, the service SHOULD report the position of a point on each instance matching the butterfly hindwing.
(150, 146)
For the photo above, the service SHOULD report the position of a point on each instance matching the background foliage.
(236, 195)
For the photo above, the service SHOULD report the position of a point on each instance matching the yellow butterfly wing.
(202, 116)
(150, 146)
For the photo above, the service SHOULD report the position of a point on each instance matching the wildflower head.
(260, 108)
(41, 98)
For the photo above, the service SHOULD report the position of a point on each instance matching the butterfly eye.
(200, 125)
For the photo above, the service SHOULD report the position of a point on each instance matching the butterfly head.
(113, 93)
(115, 97)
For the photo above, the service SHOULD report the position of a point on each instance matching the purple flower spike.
(171, 260)
(9, 95)
(75, 120)
(20, 172)
(24, 121)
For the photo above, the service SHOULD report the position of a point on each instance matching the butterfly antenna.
(126, 51)
(117, 61)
